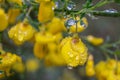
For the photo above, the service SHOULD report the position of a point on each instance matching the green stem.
(94, 12)
(107, 45)
(101, 3)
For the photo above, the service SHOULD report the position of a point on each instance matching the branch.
(94, 12)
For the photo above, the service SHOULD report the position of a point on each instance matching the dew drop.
(70, 22)
(71, 55)
(69, 67)
(92, 16)
(111, 11)
(20, 38)
(59, 4)
(83, 24)
(77, 57)
(71, 6)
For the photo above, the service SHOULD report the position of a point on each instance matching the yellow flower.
(54, 59)
(95, 40)
(19, 67)
(107, 70)
(56, 26)
(73, 51)
(81, 26)
(90, 66)
(38, 1)
(8, 60)
(32, 65)
(12, 15)
(19, 2)
(1, 1)
(21, 32)
(3, 20)
(46, 12)
(44, 37)
(40, 50)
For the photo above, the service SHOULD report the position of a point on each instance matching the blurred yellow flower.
(95, 40)
(56, 26)
(44, 37)
(40, 50)
(54, 59)
(90, 66)
(38, 1)
(46, 12)
(8, 60)
(19, 67)
(32, 65)
(3, 20)
(108, 70)
(12, 15)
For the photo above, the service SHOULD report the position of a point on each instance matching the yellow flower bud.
(12, 15)
(56, 26)
(90, 67)
(46, 12)
(95, 40)
(81, 26)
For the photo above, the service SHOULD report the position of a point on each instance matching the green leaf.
(88, 4)
(21, 17)
(117, 1)
(117, 52)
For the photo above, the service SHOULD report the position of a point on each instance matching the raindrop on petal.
(83, 24)
(70, 22)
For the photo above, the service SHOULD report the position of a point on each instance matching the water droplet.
(69, 67)
(56, 4)
(70, 22)
(92, 16)
(81, 62)
(59, 4)
(77, 57)
(71, 6)
(71, 55)
(83, 24)
(111, 11)
(20, 37)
